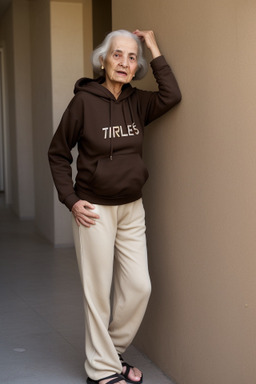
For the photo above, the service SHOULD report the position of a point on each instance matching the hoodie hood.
(94, 86)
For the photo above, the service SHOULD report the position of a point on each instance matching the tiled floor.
(41, 315)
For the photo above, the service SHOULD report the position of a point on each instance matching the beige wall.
(67, 66)
(59, 33)
(200, 199)
(47, 46)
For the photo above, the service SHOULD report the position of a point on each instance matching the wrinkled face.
(121, 60)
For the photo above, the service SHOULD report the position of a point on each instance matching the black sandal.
(127, 371)
(115, 379)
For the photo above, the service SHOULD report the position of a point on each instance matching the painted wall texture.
(201, 196)
(67, 66)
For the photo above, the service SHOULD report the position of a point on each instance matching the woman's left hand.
(149, 38)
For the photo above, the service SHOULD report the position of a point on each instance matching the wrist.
(155, 52)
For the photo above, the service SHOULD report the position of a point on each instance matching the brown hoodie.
(109, 135)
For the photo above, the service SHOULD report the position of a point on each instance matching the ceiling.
(4, 5)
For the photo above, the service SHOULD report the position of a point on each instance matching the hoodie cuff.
(158, 62)
(71, 200)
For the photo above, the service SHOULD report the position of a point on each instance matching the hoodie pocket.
(124, 175)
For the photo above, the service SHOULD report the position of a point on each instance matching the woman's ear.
(101, 62)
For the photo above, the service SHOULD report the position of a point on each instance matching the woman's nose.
(124, 62)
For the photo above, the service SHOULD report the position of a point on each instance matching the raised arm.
(155, 104)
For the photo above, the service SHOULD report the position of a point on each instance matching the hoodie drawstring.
(110, 129)
(111, 132)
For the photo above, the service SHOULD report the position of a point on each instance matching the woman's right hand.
(149, 38)
(83, 213)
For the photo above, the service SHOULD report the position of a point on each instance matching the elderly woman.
(106, 119)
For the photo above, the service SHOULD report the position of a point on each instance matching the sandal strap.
(120, 357)
(127, 371)
(115, 379)
(126, 365)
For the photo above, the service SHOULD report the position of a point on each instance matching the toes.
(135, 373)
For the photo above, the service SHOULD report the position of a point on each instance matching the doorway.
(102, 20)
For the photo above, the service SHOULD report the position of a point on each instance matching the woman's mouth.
(122, 73)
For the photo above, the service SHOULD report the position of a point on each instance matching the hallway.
(41, 316)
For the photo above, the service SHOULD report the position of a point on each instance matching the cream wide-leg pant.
(113, 250)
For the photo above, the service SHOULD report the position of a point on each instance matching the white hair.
(102, 50)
